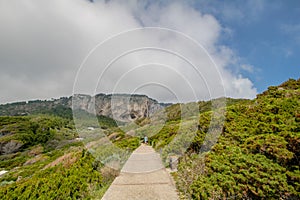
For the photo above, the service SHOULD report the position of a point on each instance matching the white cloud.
(241, 85)
(42, 44)
(247, 68)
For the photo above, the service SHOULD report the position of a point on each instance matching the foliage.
(232, 171)
(106, 122)
(257, 154)
(165, 135)
(55, 107)
(30, 145)
(58, 110)
(130, 143)
(29, 131)
(74, 182)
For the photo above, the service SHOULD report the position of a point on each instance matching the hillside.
(113, 106)
(42, 156)
(256, 155)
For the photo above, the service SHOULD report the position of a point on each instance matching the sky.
(170, 50)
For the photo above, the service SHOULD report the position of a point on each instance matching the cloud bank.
(43, 43)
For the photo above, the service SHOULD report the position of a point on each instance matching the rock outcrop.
(121, 107)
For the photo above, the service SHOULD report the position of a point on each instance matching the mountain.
(121, 107)
(256, 154)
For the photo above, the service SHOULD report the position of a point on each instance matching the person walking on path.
(146, 140)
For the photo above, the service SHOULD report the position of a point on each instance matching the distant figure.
(146, 140)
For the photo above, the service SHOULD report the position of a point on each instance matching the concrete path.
(143, 177)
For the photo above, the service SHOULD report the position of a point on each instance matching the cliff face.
(121, 107)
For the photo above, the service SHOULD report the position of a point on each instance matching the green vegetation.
(130, 143)
(75, 181)
(165, 135)
(45, 161)
(256, 155)
(20, 133)
(55, 107)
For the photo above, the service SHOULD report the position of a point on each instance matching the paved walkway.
(143, 177)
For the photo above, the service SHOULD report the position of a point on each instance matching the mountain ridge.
(122, 107)
(256, 155)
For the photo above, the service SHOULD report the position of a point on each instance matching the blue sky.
(265, 34)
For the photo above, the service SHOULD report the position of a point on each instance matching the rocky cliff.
(121, 107)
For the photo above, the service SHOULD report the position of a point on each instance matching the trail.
(142, 177)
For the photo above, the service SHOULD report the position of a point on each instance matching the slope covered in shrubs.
(76, 181)
(257, 155)
(45, 160)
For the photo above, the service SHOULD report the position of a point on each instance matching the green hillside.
(45, 160)
(256, 155)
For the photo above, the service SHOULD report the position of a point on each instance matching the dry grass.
(66, 160)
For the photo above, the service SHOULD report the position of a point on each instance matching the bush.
(58, 182)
